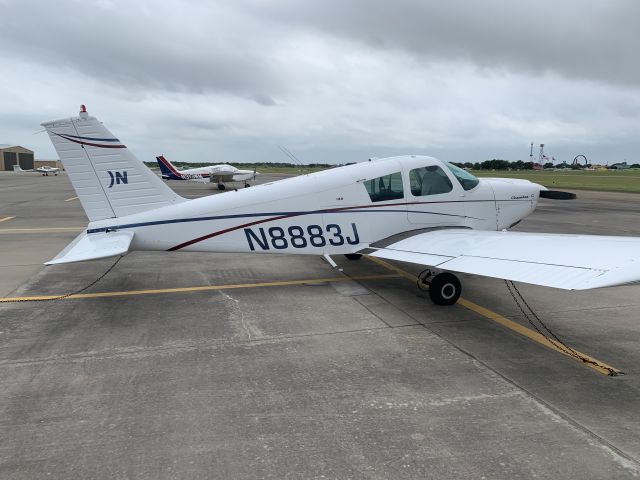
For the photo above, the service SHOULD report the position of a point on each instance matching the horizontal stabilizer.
(571, 262)
(94, 246)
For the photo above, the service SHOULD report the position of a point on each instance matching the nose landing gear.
(444, 288)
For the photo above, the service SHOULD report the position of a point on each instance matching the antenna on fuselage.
(291, 156)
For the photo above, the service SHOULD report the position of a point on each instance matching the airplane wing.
(571, 262)
(221, 177)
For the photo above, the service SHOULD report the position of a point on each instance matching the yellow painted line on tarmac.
(4, 219)
(41, 230)
(72, 198)
(597, 365)
(389, 266)
(203, 288)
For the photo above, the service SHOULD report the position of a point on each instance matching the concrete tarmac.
(280, 367)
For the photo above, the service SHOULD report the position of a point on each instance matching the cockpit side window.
(431, 180)
(467, 180)
(388, 187)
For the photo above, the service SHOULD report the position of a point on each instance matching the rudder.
(167, 169)
(108, 179)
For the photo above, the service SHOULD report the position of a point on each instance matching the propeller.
(557, 195)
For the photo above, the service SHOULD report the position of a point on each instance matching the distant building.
(11, 155)
(619, 166)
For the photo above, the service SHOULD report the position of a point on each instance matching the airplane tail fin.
(108, 179)
(167, 169)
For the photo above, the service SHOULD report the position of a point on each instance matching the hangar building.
(11, 155)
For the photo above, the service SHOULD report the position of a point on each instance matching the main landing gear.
(222, 187)
(444, 288)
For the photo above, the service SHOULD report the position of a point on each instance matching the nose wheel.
(444, 288)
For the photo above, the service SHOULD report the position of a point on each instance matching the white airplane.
(44, 170)
(410, 208)
(220, 174)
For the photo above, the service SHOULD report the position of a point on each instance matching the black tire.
(353, 256)
(221, 187)
(445, 289)
(246, 185)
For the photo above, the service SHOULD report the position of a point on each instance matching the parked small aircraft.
(220, 174)
(410, 208)
(44, 170)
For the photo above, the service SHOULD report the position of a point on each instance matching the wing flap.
(572, 262)
(556, 276)
(94, 246)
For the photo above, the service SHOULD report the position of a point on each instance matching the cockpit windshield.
(467, 180)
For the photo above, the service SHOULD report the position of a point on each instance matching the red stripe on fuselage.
(227, 230)
(328, 210)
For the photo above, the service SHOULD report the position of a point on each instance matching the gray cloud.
(141, 46)
(464, 80)
(574, 38)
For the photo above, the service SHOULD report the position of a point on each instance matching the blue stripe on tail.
(166, 171)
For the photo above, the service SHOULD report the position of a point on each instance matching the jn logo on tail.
(118, 178)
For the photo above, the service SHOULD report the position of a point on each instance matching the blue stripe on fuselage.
(267, 214)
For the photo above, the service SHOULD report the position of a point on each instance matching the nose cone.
(515, 199)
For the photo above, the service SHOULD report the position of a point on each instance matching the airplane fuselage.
(341, 210)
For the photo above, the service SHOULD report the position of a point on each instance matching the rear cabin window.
(385, 188)
(431, 180)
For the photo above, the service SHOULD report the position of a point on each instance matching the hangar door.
(10, 159)
(26, 161)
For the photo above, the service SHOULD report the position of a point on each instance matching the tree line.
(494, 164)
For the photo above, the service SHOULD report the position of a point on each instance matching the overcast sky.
(333, 81)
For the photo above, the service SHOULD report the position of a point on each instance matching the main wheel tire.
(221, 187)
(445, 289)
(246, 185)
(353, 256)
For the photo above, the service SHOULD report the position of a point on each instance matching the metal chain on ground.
(66, 295)
(554, 340)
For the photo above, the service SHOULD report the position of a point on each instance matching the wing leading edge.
(571, 262)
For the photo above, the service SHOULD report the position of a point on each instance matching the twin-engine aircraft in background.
(44, 170)
(220, 174)
(410, 208)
